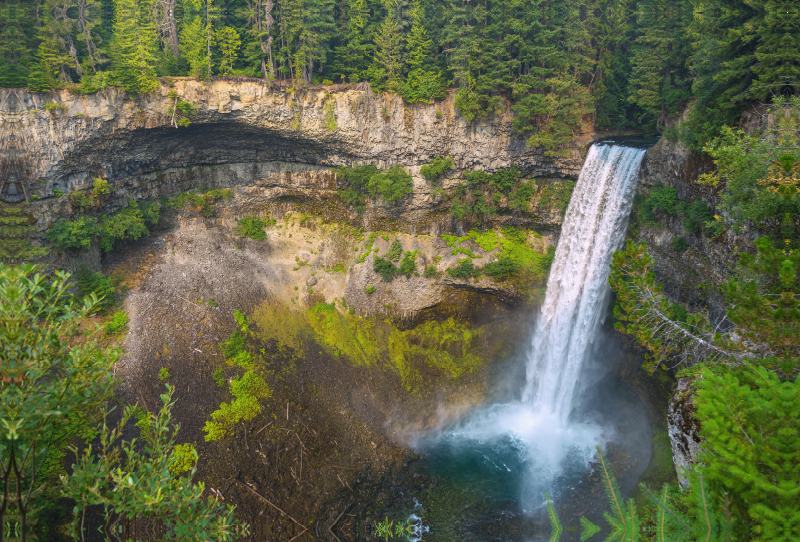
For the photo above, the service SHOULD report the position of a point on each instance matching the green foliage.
(42, 416)
(247, 391)
(89, 283)
(409, 263)
(100, 188)
(430, 272)
(219, 377)
(132, 480)
(69, 234)
(501, 269)
(385, 268)
(680, 244)
(16, 231)
(464, 270)
(128, 224)
(118, 321)
(251, 227)
(437, 167)
(370, 290)
(164, 374)
(353, 198)
(761, 173)
(184, 459)
(390, 184)
(134, 46)
(395, 250)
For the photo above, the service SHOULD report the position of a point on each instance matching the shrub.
(58, 193)
(384, 268)
(251, 227)
(430, 272)
(164, 374)
(127, 224)
(100, 188)
(409, 264)
(501, 269)
(88, 282)
(80, 201)
(184, 459)
(67, 234)
(697, 213)
(661, 198)
(390, 184)
(464, 270)
(395, 251)
(219, 377)
(438, 167)
(370, 290)
(353, 198)
(117, 322)
(680, 244)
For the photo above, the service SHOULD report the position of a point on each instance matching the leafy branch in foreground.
(55, 394)
(642, 311)
(132, 479)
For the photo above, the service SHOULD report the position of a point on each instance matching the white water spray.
(537, 429)
(577, 289)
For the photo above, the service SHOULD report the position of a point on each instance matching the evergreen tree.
(658, 81)
(388, 64)
(194, 48)
(424, 83)
(228, 41)
(351, 59)
(134, 46)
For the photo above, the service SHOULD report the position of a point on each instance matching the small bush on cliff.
(438, 167)
(409, 263)
(116, 323)
(79, 233)
(395, 251)
(384, 268)
(464, 270)
(501, 269)
(680, 244)
(251, 227)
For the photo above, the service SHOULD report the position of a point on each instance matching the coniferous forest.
(620, 63)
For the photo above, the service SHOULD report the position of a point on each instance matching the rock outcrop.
(61, 140)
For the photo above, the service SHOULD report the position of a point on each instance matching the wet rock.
(684, 430)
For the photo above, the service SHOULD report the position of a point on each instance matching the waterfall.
(533, 440)
(594, 227)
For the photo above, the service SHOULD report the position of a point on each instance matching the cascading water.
(534, 440)
(593, 229)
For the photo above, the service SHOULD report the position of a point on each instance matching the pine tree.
(194, 48)
(423, 83)
(351, 59)
(388, 63)
(228, 41)
(659, 83)
(134, 46)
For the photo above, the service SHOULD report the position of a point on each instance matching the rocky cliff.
(59, 141)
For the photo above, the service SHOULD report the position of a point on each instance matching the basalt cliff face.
(250, 131)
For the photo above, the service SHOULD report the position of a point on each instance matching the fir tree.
(134, 46)
(388, 55)
(194, 48)
(228, 41)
